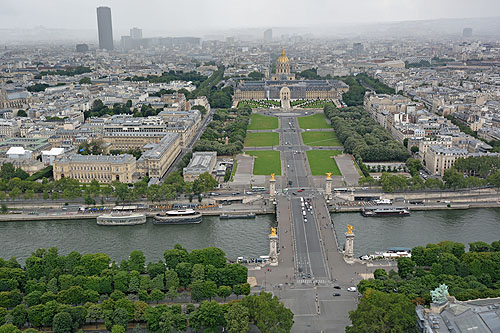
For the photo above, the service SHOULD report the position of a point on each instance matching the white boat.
(121, 219)
(181, 216)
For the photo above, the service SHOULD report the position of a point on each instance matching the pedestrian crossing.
(310, 281)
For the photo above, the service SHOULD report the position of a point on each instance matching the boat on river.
(121, 219)
(378, 211)
(180, 216)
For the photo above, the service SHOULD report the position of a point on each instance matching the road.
(308, 250)
(206, 121)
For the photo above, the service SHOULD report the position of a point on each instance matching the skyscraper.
(136, 33)
(105, 28)
(268, 35)
(467, 32)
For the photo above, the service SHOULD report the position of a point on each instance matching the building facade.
(200, 163)
(103, 168)
(105, 28)
(439, 159)
(155, 161)
(283, 86)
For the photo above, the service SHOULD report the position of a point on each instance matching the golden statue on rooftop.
(350, 229)
(273, 232)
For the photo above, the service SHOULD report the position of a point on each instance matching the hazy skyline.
(204, 16)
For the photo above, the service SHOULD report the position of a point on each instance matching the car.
(249, 193)
(336, 294)
(309, 275)
(290, 182)
(352, 289)
(294, 193)
(299, 190)
(336, 287)
(305, 220)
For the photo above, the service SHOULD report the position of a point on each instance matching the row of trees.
(363, 137)
(66, 292)
(170, 76)
(468, 275)
(226, 133)
(68, 72)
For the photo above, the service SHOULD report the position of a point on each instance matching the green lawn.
(262, 139)
(315, 121)
(266, 162)
(321, 162)
(260, 122)
(320, 139)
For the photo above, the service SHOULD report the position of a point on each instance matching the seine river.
(422, 227)
(237, 237)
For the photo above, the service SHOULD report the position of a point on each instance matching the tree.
(175, 256)
(157, 295)
(85, 80)
(268, 313)
(140, 310)
(62, 323)
(209, 315)
(22, 113)
(383, 312)
(94, 313)
(19, 315)
(137, 261)
(117, 329)
(9, 328)
(120, 317)
(224, 291)
(172, 293)
(237, 317)
(479, 247)
(405, 267)
(198, 292)
(171, 279)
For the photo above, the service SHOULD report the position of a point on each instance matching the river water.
(420, 228)
(236, 237)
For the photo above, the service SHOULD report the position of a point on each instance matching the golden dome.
(283, 58)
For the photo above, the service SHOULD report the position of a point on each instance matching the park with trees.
(468, 274)
(184, 290)
(226, 133)
(362, 137)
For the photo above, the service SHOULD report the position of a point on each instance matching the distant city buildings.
(105, 28)
(136, 33)
(82, 48)
(268, 35)
(467, 32)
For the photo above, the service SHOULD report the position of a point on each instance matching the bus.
(341, 189)
(258, 189)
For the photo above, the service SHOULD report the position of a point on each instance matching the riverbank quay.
(423, 207)
(48, 214)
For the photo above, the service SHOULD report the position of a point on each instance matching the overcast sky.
(206, 15)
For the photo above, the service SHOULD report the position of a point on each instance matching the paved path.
(347, 169)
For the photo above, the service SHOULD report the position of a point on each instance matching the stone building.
(103, 168)
(439, 159)
(158, 157)
(201, 162)
(283, 86)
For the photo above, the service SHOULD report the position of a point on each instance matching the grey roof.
(161, 147)
(200, 162)
(115, 159)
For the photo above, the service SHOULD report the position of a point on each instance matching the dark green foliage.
(37, 87)
(70, 71)
(383, 312)
(227, 124)
(363, 137)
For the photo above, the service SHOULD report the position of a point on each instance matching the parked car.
(336, 294)
(337, 287)
(352, 289)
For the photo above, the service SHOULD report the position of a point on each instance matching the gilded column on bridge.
(273, 247)
(349, 245)
(328, 186)
(272, 188)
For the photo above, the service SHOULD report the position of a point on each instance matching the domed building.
(283, 68)
(283, 86)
